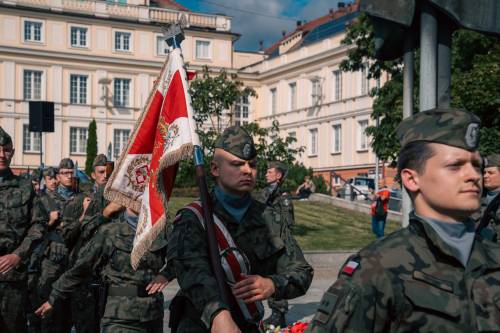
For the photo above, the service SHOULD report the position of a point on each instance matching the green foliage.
(475, 81)
(91, 147)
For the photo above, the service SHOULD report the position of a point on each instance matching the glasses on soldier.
(66, 173)
(6, 150)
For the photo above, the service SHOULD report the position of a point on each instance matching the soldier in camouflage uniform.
(277, 265)
(281, 203)
(488, 216)
(22, 223)
(134, 302)
(84, 299)
(436, 275)
(58, 243)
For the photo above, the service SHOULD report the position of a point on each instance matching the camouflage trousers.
(113, 325)
(83, 310)
(13, 297)
(278, 305)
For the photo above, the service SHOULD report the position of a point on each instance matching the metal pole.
(408, 70)
(428, 57)
(444, 63)
(41, 150)
(377, 171)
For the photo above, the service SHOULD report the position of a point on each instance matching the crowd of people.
(65, 253)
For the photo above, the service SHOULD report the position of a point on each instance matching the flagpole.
(174, 36)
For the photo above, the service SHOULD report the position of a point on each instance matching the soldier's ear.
(410, 180)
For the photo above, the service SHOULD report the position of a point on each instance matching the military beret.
(237, 141)
(493, 160)
(278, 165)
(99, 160)
(35, 175)
(5, 138)
(66, 163)
(50, 172)
(452, 127)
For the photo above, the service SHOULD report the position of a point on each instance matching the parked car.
(364, 186)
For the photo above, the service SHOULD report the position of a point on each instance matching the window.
(33, 31)
(77, 140)
(32, 85)
(313, 142)
(120, 139)
(79, 36)
(203, 49)
(121, 96)
(122, 41)
(293, 135)
(273, 100)
(31, 140)
(241, 111)
(362, 136)
(365, 83)
(337, 85)
(161, 45)
(293, 95)
(118, 2)
(78, 89)
(337, 138)
(315, 92)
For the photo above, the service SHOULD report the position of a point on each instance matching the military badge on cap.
(237, 141)
(452, 127)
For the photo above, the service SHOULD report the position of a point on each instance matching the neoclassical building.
(98, 60)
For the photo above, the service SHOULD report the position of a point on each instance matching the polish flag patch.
(350, 267)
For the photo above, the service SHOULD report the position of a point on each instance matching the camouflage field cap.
(279, 166)
(35, 175)
(99, 160)
(493, 160)
(50, 172)
(5, 138)
(238, 142)
(452, 127)
(66, 163)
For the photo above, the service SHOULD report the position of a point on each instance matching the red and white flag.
(163, 136)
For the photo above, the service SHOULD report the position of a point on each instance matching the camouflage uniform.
(128, 307)
(492, 228)
(282, 206)
(271, 250)
(58, 243)
(411, 280)
(84, 300)
(22, 224)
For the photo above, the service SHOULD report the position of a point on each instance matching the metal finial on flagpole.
(173, 33)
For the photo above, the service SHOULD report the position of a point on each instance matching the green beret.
(279, 166)
(50, 172)
(35, 175)
(5, 138)
(237, 141)
(493, 160)
(66, 163)
(99, 160)
(452, 127)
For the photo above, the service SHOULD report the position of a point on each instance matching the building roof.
(319, 28)
(168, 4)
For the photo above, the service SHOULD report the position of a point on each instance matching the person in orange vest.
(379, 210)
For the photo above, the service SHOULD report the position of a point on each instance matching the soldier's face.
(65, 177)
(51, 183)
(99, 175)
(234, 175)
(273, 175)
(449, 187)
(6, 154)
(492, 178)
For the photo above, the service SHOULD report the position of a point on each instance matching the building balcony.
(103, 9)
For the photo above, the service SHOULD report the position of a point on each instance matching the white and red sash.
(233, 262)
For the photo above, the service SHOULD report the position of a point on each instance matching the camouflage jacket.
(492, 230)
(281, 203)
(108, 255)
(23, 222)
(409, 281)
(270, 254)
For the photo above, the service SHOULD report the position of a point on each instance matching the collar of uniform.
(248, 220)
(426, 230)
(7, 178)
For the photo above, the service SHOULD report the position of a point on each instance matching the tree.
(91, 147)
(475, 81)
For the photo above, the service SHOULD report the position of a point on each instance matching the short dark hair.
(414, 156)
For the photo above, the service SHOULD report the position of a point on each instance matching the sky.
(263, 20)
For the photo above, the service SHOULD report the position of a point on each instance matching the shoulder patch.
(350, 267)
